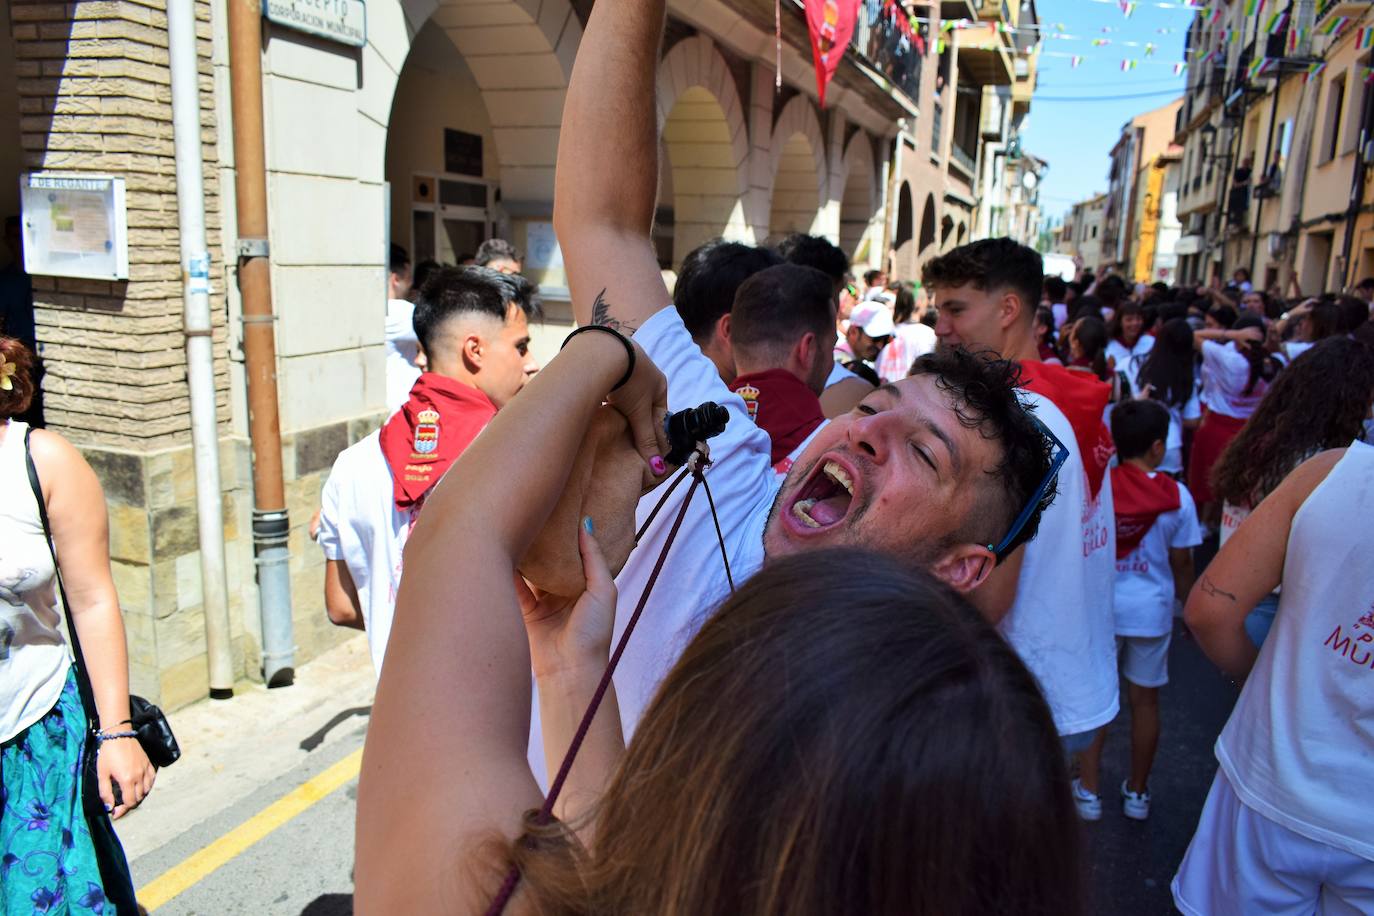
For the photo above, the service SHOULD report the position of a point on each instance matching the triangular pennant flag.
(1074, 61)
(1149, 49)
(1178, 68)
(1365, 39)
(1099, 42)
(1314, 70)
(1252, 6)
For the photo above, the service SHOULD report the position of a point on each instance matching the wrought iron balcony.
(886, 49)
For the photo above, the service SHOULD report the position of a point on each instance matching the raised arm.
(444, 772)
(607, 176)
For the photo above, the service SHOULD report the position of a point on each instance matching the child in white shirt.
(1156, 527)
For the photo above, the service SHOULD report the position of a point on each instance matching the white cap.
(873, 319)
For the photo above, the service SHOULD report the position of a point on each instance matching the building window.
(1358, 97)
(1094, 232)
(1335, 105)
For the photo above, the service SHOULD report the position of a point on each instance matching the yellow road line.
(211, 857)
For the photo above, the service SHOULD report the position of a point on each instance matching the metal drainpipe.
(196, 325)
(270, 524)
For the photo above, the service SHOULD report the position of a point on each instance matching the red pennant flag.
(831, 23)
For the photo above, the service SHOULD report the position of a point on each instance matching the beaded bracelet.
(629, 347)
(102, 737)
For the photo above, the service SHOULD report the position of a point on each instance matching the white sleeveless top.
(1299, 746)
(33, 652)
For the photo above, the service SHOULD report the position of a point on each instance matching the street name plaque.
(344, 21)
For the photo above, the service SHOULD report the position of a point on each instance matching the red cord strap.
(503, 896)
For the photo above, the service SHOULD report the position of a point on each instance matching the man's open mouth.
(825, 498)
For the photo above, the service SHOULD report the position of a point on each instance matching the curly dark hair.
(17, 398)
(983, 389)
(991, 264)
(1317, 403)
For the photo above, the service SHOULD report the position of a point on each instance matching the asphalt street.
(302, 862)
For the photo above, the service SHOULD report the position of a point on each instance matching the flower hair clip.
(7, 372)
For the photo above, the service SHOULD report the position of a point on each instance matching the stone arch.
(927, 224)
(521, 55)
(706, 142)
(903, 236)
(905, 217)
(797, 164)
(860, 203)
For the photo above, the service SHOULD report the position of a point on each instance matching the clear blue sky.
(1076, 136)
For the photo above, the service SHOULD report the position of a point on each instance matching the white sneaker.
(1135, 805)
(1089, 804)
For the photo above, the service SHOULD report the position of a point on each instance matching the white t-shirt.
(1295, 348)
(402, 350)
(360, 525)
(910, 340)
(33, 651)
(1144, 595)
(1130, 359)
(1061, 314)
(1231, 518)
(1299, 746)
(1225, 373)
(838, 374)
(692, 582)
(1061, 623)
(1173, 442)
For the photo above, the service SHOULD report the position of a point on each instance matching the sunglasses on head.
(1058, 455)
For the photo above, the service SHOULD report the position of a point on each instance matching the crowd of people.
(946, 518)
(874, 667)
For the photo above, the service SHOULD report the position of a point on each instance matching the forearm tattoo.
(601, 314)
(1209, 588)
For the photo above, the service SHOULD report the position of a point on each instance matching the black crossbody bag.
(145, 719)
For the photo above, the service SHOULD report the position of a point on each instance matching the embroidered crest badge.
(751, 400)
(426, 431)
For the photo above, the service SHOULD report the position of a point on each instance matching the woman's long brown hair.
(842, 736)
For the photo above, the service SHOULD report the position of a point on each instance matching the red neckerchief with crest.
(1139, 500)
(782, 406)
(435, 425)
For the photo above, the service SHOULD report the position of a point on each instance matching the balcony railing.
(881, 45)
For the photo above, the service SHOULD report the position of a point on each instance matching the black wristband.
(629, 348)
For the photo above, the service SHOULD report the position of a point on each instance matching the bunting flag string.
(1336, 26)
(1076, 59)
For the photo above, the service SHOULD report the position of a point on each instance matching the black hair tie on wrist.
(629, 348)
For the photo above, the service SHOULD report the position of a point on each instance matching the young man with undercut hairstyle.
(706, 286)
(472, 326)
(780, 332)
(1054, 596)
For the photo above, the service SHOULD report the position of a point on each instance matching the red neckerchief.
(782, 406)
(1139, 500)
(434, 426)
(1081, 398)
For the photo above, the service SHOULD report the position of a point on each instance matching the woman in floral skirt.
(48, 856)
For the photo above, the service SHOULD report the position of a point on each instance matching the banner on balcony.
(831, 23)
